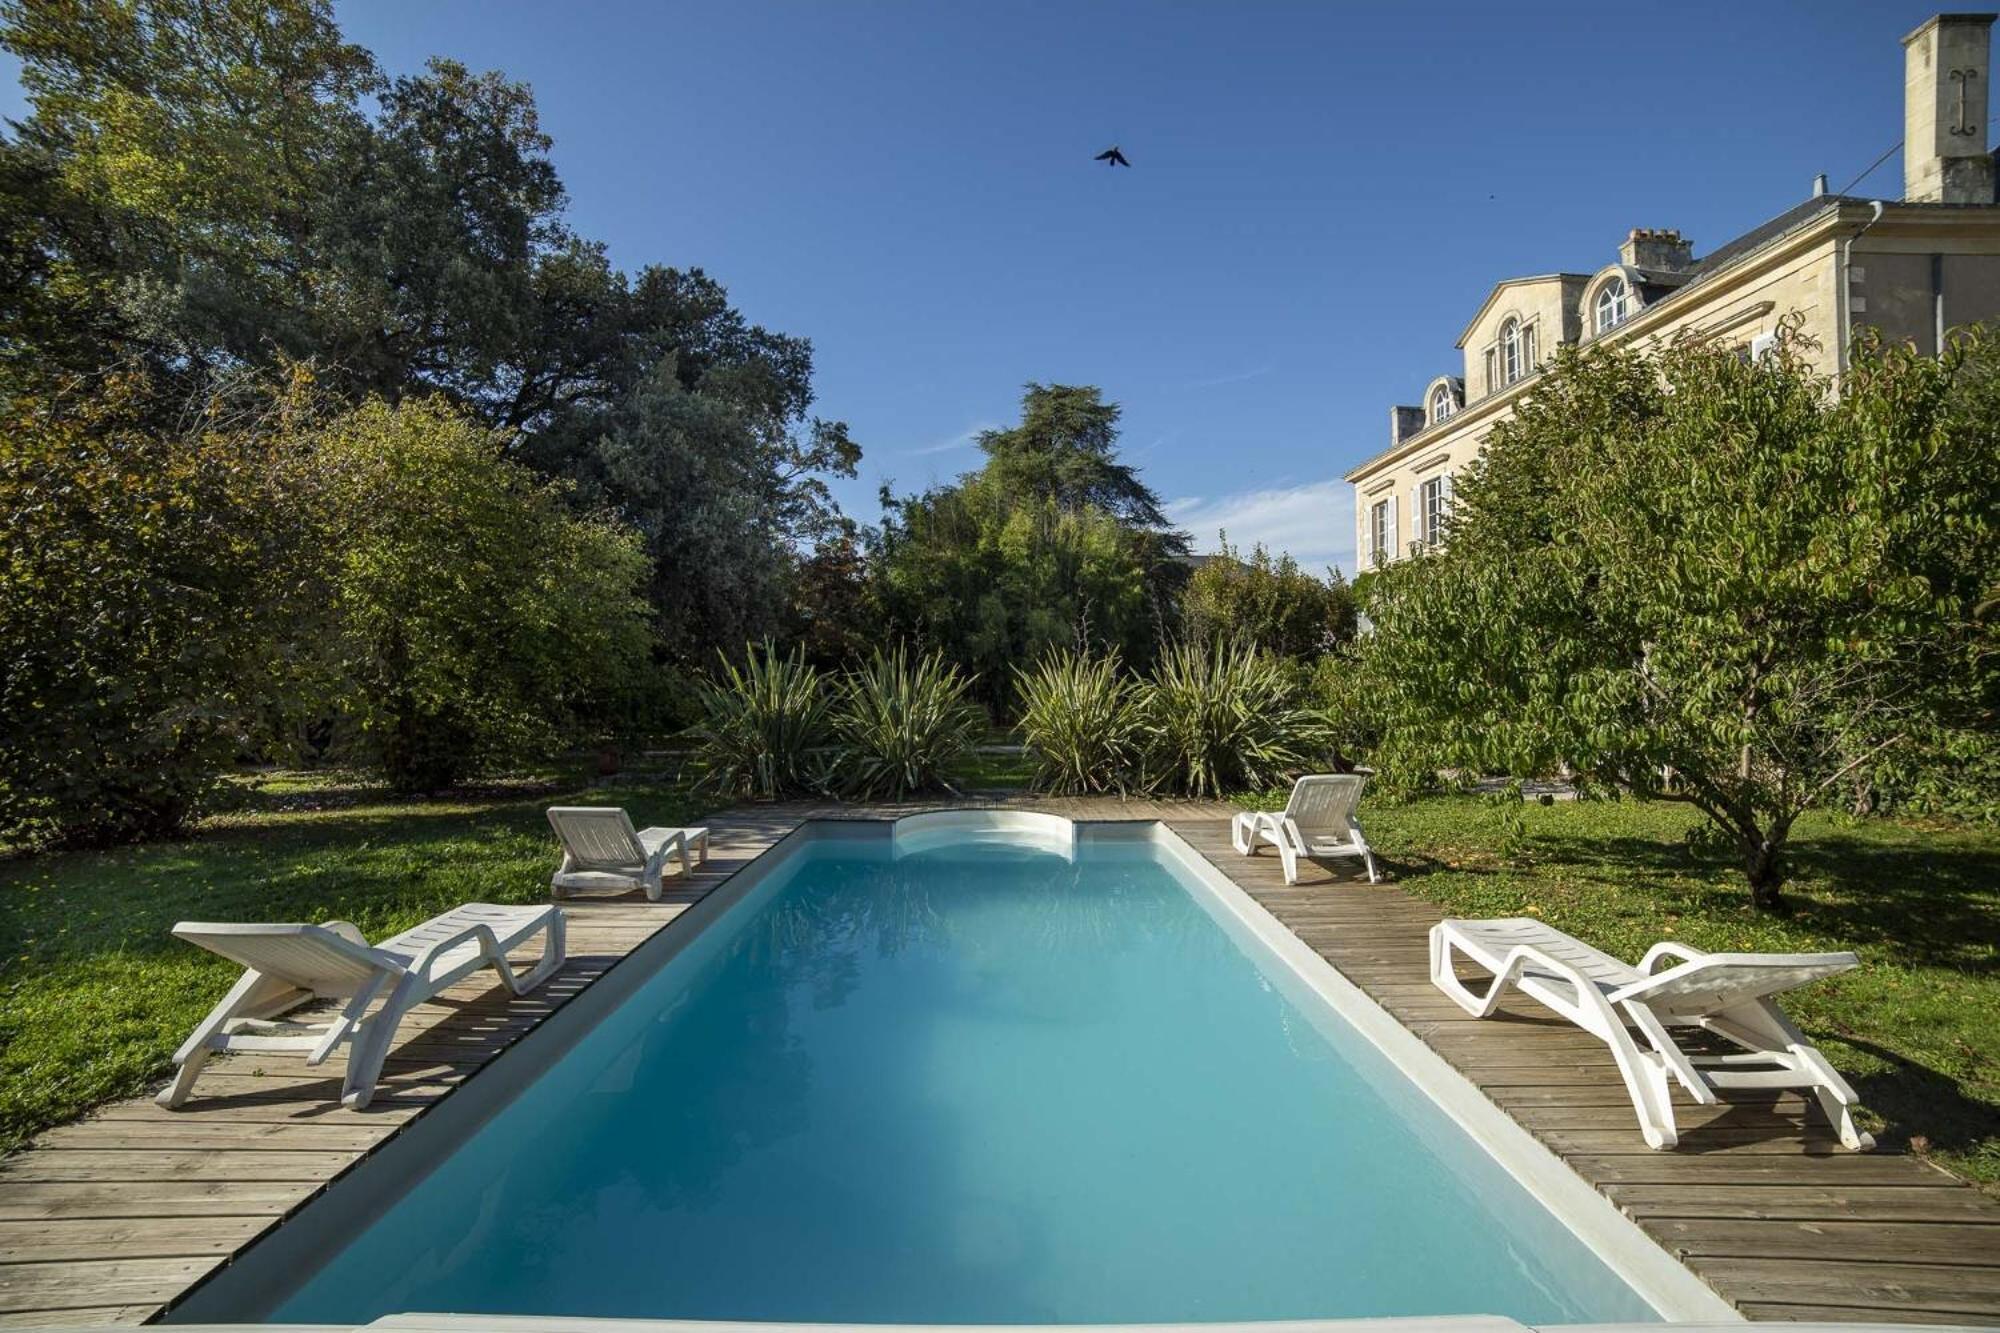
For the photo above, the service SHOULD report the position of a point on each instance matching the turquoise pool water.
(979, 1084)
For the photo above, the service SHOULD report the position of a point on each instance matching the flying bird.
(1112, 157)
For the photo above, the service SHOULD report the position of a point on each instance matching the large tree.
(210, 184)
(1053, 543)
(1692, 577)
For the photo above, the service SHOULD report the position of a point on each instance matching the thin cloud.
(965, 439)
(1314, 522)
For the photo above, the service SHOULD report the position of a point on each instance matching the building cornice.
(1814, 230)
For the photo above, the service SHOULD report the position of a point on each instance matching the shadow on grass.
(1908, 1094)
(1927, 903)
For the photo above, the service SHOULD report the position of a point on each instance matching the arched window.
(1513, 352)
(1612, 305)
(1441, 404)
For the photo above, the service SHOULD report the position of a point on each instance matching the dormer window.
(1513, 351)
(1613, 304)
(1441, 404)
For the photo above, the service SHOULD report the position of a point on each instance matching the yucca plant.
(1081, 721)
(901, 722)
(764, 727)
(1223, 719)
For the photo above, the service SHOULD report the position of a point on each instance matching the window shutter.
(1391, 549)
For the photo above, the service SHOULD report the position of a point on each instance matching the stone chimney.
(1662, 251)
(1403, 423)
(1946, 159)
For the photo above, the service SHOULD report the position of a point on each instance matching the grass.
(1916, 1028)
(95, 994)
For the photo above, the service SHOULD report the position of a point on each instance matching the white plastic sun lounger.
(601, 850)
(289, 965)
(1318, 820)
(1728, 994)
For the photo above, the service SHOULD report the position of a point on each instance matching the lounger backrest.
(312, 958)
(1325, 800)
(1717, 981)
(597, 837)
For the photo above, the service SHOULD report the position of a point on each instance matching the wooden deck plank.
(46, 1240)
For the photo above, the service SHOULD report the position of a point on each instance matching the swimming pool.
(969, 1077)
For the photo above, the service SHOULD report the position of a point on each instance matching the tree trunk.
(1763, 866)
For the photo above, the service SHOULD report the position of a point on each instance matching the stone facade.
(1913, 269)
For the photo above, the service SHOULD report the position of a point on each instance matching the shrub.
(901, 722)
(1268, 601)
(1223, 719)
(763, 724)
(146, 586)
(475, 618)
(1081, 722)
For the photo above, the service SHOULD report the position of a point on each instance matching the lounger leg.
(370, 1048)
(1290, 860)
(1762, 1027)
(253, 996)
(1652, 1098)
(554, 954)
(1241, 835)
(1367, 852)
(1444, 975)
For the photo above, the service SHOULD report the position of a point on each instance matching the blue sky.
(1321, 194)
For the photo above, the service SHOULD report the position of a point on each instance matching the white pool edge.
(1661, 1280)
(259, 1275)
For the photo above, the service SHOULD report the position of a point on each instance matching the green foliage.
(147, 588)
(475, 619)
(1051, 545)
(1223, 718)
(1349, 704)
(1080, 718)
(1692, 577)
(208, 184)
(902, 722)
(1267, 602)
(764, 725)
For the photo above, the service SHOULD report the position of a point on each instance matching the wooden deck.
(116, 1218)
(1759, 1199)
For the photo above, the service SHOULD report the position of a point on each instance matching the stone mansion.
(1912, 268)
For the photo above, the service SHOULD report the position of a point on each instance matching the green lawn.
(1916, 1028)
(94, 993)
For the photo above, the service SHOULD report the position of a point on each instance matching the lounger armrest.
(477, 931)
(1682, 953)
(1507, 972)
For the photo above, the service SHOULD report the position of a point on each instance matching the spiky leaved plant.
(1223, 719)
(764, 727)
(1081, 721)
(900, 722)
